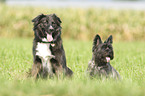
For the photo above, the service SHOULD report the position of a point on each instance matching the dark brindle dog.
(100, 63)
(48, 53)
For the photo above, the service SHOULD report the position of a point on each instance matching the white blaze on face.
(108, 59)
(50, 27)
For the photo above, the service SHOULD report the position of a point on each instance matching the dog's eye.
(45, 23)
(53, 22)
(109, 46)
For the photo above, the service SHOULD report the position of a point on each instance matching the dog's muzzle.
(51, 28)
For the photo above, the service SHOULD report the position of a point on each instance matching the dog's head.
(47, 27)
(103, 52)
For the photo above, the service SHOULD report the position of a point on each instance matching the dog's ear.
(57, 19)
(38, 18)
(96, 42)
(109, 40)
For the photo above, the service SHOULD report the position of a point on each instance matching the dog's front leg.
(57, 68)
(36, 69)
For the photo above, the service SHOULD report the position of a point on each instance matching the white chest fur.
(43, 51)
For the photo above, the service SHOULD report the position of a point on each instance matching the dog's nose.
(51, 28)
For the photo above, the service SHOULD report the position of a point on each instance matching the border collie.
(48, 53)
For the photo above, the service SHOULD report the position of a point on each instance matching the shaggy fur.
(102, 54)
(48, 53)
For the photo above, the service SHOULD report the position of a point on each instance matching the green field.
(16, 59)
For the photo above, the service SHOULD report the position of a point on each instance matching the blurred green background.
(77, 23)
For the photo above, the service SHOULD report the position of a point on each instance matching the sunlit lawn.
(16, 59)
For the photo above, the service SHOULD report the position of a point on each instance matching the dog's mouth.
(108, 59)
(48, 38)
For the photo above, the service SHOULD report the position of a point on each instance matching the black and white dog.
(48, 53)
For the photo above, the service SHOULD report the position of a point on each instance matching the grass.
(82, 24)
(16, 59)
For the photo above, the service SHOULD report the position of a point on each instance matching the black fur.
(99, 66)
(41, 28)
